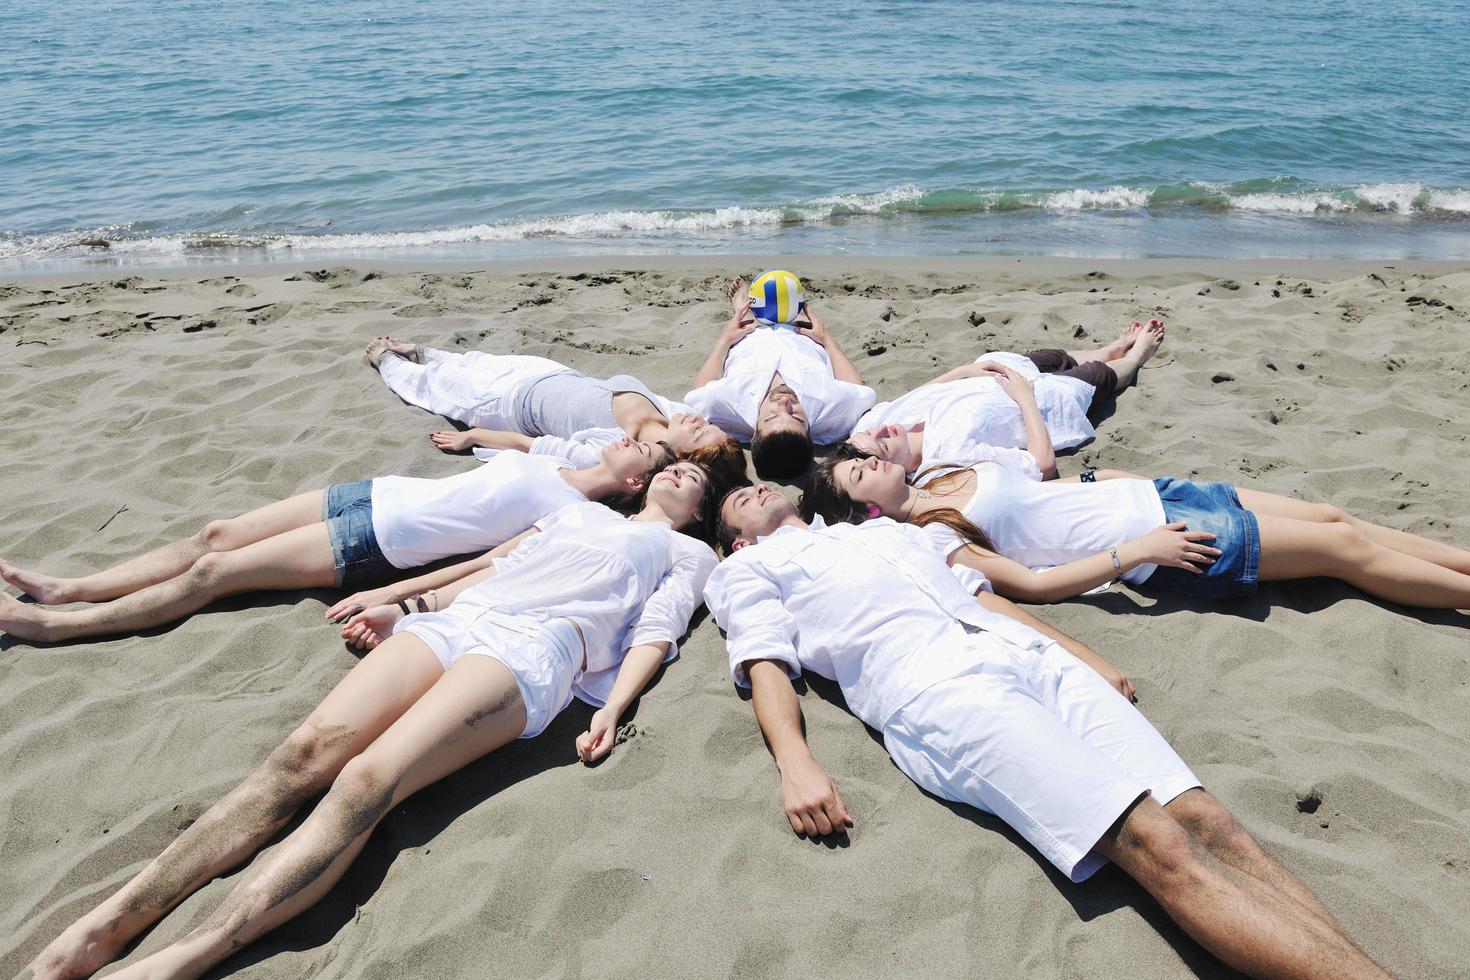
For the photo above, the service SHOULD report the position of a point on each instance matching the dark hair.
(724, 461)
(725, 535)
(782, 455)
(704, 526)
(628, 502)
(823, 496)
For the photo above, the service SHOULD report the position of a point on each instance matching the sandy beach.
(1337, 728)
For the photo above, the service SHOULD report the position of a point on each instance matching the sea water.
(176, 131)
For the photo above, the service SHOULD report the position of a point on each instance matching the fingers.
(837, 812)
(1199, 536)
(342, 610)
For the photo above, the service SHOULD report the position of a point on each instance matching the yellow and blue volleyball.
(775, 297)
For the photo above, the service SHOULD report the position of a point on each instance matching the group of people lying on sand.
(593, 520)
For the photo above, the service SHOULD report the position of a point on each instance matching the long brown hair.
(724, 462)
(823, 496)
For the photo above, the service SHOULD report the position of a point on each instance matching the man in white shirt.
(782, 387)
(982, 704)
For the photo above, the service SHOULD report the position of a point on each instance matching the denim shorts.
(348, 514)
(1212, 507)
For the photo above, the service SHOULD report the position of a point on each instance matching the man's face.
(754, 512)
(780, 411)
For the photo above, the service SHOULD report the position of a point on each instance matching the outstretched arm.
(1038, 439)
(812, 803)
(740, 325)
(454, 441)
(636, 670)
(842, 367)
(1109, 672)
(1169, 545)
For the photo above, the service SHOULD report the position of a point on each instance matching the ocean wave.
(1275, 196)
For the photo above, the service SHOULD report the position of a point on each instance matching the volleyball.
(775, 297)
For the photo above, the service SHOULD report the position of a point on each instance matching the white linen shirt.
(582, 449)
(732, 402)
(962, 417)
(620, 582)
(419, 521)
(872, 606)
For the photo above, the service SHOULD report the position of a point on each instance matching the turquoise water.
(183, 130)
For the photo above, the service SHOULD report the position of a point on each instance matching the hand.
(365, 630)
(452, 441)
(740, 326)
(1015, 384)
(813, 327)
(1173, 546)
(1114, 675)
(600, 737)
(359, 601)
(812, 802)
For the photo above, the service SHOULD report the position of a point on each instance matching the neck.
(654, 514)
(793, 520)
(915, 437)
(915, 502)
(594, 482)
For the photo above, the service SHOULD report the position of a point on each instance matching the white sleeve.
(746, 603)
(846, 404)
(666, 613)
(718, 401)
(946, 542)
(1019, 460)
(582, 449)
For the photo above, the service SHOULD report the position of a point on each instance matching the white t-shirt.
(960, 416)
(732, 402)
(421, 521)
(583, 450)
(621, 582)
(871, 606)
(1042, 525)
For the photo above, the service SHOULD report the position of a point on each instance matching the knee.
(1348, 546)
(214, 535)
(1159, 848)
(1210, 824)
(306, 760)
(363, 792)
(209, 568)
(1331, 514)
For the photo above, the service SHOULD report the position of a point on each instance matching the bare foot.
(42, 588)
(735, 292)
(379, 346)
(80, 951)
(21, 619)
(1146, 343)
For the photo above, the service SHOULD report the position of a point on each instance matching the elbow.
(1049, 471)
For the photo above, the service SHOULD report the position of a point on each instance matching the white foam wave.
(825, 207)
(1456, 201)
(1289, 203)
(1389, 197)
(1117, 197)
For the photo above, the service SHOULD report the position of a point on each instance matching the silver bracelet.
(1117, 565)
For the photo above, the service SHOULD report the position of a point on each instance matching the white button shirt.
(732, 402)
(871, 606)
(962, 417)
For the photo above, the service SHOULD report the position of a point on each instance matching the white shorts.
(545, 655)
(1041, 741)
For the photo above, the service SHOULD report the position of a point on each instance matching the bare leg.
(1146, 344)
(299, 559)
(1216, 830)
(360, 708)
(171, 559)
(1109, 352)
(1244, 922)
(1276, 505)
(473, 709)
(1293, 549)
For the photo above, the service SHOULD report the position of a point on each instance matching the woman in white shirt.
(586, 602)
(956, 417)
(1045, 542)
(535, 404)
(348, 536)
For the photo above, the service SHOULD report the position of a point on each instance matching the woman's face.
(629, 459)
(872, 481)
(889, 443)
(690, 432)
(678, 490)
